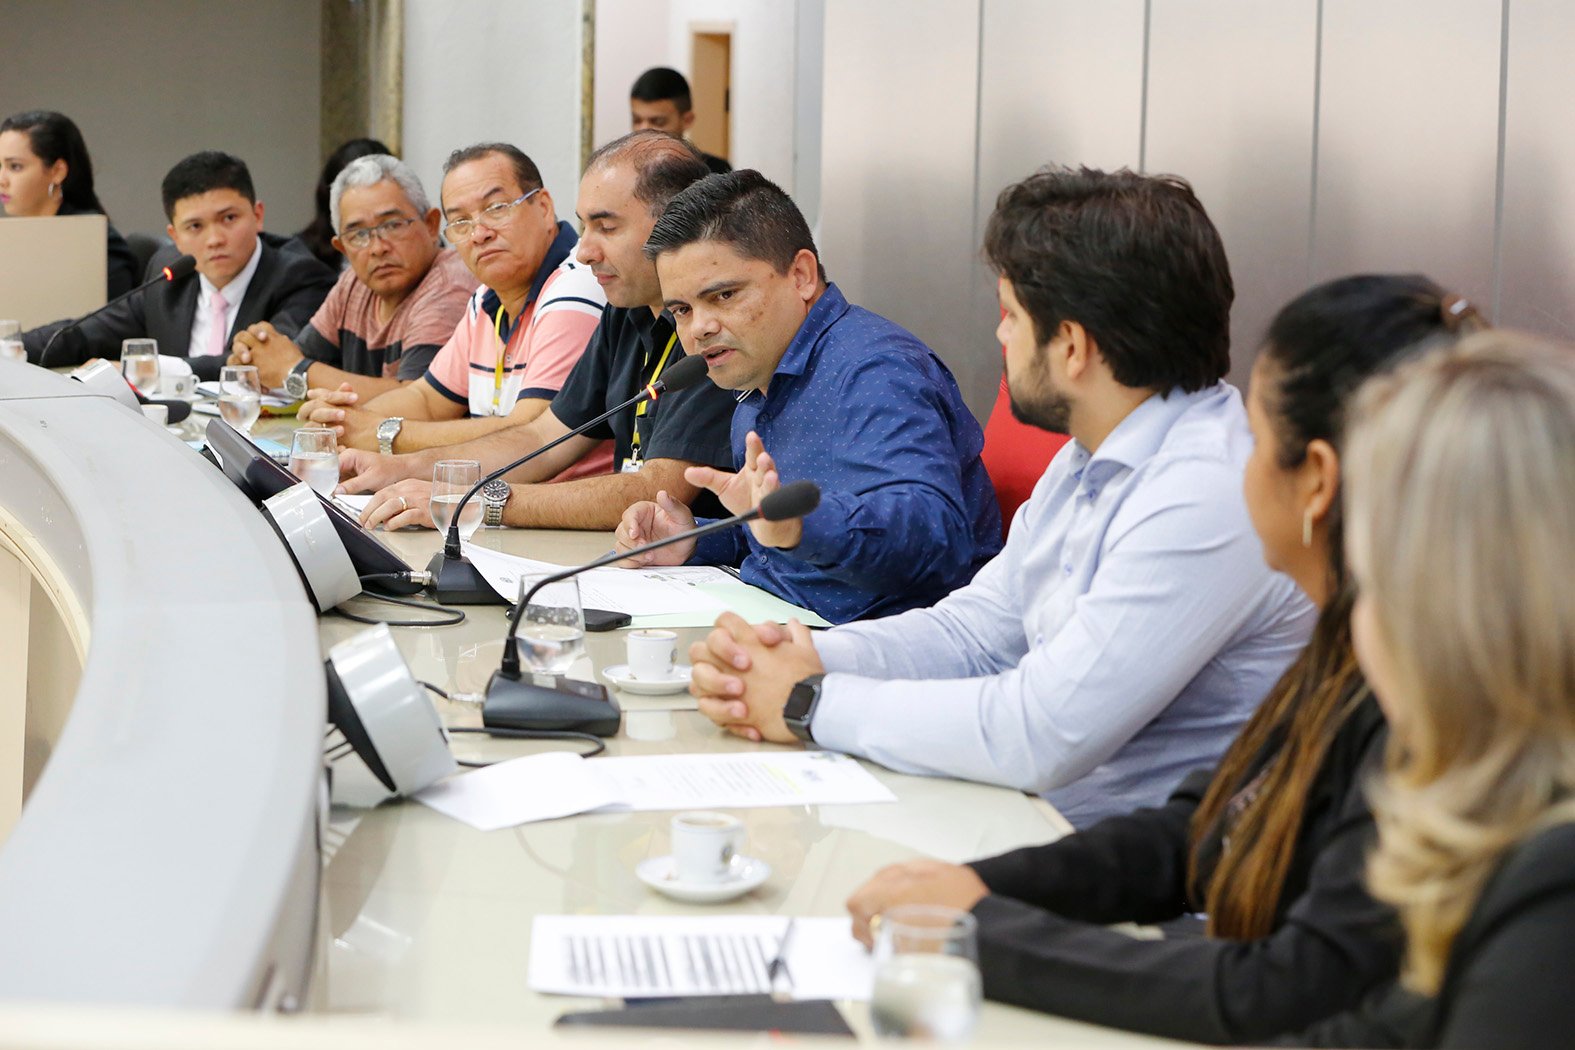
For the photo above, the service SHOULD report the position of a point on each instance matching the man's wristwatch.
(801, 704)
(387, 431)
(295, 383)
(494, 497)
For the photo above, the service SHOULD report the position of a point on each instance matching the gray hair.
(371, 170)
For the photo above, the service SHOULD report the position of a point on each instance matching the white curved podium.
(167, 854)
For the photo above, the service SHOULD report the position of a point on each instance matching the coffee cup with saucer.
(705, 866)
(653, 668)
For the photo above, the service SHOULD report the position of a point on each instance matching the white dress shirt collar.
(234, 294)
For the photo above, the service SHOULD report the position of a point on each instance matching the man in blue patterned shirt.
(838, 395)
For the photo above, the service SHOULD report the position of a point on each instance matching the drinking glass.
(139, 363)
(314, 458)
(451, 479)
(240, 396)
(552, 630)
(926, 974)
(11, 341)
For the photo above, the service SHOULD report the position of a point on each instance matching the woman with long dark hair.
(1271, 843)
(45, 170)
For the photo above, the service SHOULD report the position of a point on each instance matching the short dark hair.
(742, 209)
(55, 136)
(664, 165)
(1132, 258)
(661, 84)
(525, 171)
(203, 173)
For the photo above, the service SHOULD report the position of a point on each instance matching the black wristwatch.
(801, 704)
(295, 383)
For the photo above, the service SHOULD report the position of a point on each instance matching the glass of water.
(139, 363)
(314, 458)
(926, 974)
(552, 630)
(451, 479)
(11, 347)
(240, 396)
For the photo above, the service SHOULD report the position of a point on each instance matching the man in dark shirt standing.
(625, 187)
(837, 395)
(660, 101)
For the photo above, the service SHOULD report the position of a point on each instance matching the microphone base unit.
(456, 581)
(536, 702)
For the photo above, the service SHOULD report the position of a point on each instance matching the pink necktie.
(220, 323)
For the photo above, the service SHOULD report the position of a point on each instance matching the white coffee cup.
(183, 386)
(160, 414)
(704, 844)
(652, 655)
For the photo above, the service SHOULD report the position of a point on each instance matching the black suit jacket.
(287, 289)
(1507, 981)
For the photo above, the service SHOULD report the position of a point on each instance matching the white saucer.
(745, 873)
(677, 682)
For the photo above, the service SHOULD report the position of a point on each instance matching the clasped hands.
(264, 346)
(742, 676)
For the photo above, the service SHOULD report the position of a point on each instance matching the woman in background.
(1462, 525)
(1272, 843)
(45, 170)
(318, 236)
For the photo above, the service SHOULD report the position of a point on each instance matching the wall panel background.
(1231, 87)
(1536, 273)
(149, 83)
(1408, 140)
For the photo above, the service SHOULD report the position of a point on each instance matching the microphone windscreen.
(791, 501)
(683, 373)
(182, 267)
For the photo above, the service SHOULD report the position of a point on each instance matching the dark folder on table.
(732, 1013)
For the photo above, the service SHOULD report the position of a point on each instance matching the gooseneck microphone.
(515, 702)
(182, 267)
(454, 580)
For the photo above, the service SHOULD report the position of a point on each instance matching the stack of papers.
(671, 596)
(561, 784)
(640, 956)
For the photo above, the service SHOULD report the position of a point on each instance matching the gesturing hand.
(647, 522)
(745, 489)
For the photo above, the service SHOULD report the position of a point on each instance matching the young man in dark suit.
(243, 276)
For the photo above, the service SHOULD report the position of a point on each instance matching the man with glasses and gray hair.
(391, 310)
(518, 337)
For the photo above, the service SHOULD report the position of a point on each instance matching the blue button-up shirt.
(1119, 641)
(868, 412)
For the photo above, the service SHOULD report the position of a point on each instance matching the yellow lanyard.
(503, 354)
(634, 443)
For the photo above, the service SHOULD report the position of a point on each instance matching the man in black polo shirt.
(625, 187)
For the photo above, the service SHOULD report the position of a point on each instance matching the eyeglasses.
(492, 216)
(360, 238)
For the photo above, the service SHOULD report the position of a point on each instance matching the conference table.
(430, 919)
(422, 924)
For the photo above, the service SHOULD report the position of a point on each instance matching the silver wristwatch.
(295, 383)
(387, 431)
(494, 497)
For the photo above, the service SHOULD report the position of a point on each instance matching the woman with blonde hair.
(1461, 527)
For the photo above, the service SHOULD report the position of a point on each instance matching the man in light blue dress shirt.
(1130, 626)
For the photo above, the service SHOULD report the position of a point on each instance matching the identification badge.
(631, 466)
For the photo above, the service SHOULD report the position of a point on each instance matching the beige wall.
(150, 81)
